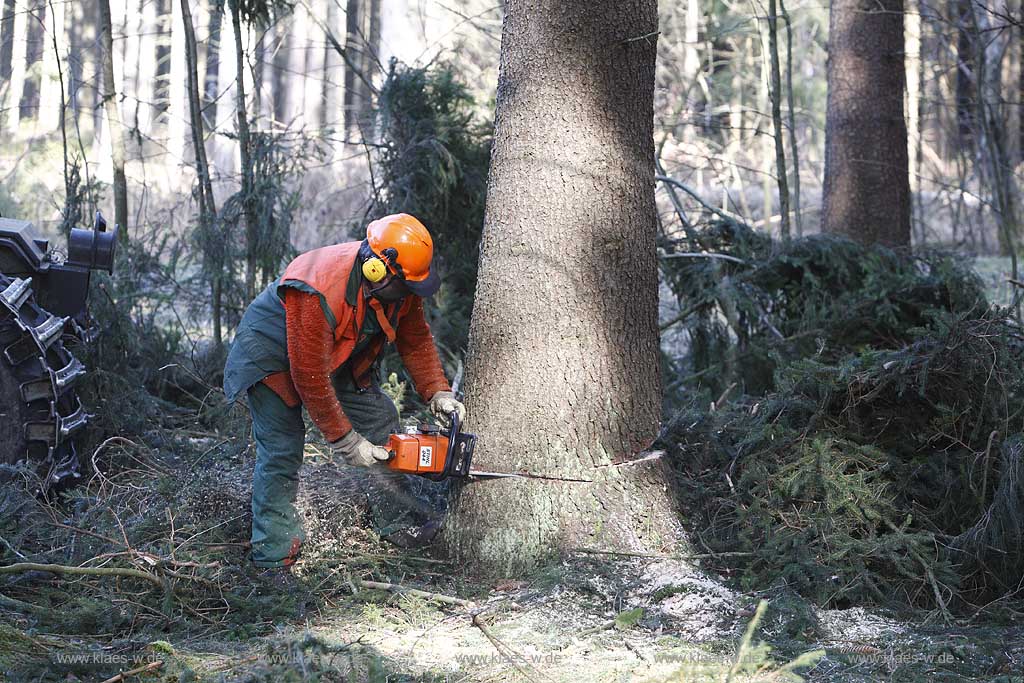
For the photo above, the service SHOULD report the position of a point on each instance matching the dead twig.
(152, 666)
(506, 651)
(644, 37)
(687, 254)
(86, 532)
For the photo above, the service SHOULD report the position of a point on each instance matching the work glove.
(442, 404)
(357, 451)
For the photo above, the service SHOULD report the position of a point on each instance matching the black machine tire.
(40, 412)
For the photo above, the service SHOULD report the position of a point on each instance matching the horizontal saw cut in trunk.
(562, 373)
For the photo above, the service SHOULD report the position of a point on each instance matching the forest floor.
(591, 617)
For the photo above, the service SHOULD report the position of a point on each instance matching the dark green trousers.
(396, 501)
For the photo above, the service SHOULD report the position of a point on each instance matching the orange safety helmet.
(405, 245)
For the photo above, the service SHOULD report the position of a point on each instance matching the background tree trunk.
(6, 38)
(912, 64)
(245, 148)
(362, 43)
(776, 97)
(213, 253)
(11, 105)
(147, 22)
(210, 80)
(114, 127)
(966, 85)
(866, 192)
(562, 375)
(54, 55)
(178, 112)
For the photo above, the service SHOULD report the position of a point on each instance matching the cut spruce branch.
(82, 571)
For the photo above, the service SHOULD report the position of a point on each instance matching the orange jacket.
(315, 350)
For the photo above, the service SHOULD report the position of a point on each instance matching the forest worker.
(312, 339)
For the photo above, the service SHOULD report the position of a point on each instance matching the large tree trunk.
(562, 375)
(867, 191)
(114, 127)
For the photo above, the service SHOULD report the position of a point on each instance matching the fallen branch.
(134, 672)
(506, 651)
(655, 556)
(81, 571)
(21, 606)
(395, 588)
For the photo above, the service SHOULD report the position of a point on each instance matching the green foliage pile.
(433, 164)
(875, 450)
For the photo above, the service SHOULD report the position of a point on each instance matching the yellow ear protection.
(374, 268)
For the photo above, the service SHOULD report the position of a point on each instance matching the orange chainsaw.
(432, 452)
(435, 453)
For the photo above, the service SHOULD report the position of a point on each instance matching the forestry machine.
(42, 306)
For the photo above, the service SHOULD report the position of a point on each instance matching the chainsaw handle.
(454, 427)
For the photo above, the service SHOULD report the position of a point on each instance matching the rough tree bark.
(867, 191)
(562, 375)
(114, 127)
